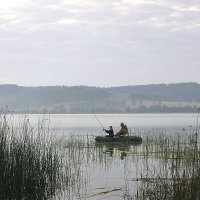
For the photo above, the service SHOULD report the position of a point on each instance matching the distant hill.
(169, 92)
(155, 98)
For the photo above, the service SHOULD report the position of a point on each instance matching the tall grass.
(172, 168)
(30, 166)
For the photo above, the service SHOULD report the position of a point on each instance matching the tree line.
(155, 98)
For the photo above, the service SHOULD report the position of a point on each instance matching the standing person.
(123, 131)
(110, 132)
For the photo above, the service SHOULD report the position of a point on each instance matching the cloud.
(83, 36)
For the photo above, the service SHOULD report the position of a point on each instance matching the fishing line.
(99, 121)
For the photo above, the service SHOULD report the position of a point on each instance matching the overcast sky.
(99, 42)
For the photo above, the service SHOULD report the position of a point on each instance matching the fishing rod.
(99, 121)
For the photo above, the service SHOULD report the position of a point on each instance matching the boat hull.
(133, 139)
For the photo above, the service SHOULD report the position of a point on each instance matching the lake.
(88, 124)
(110, 171)
(79, 121)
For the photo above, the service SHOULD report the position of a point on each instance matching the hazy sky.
(99, 42)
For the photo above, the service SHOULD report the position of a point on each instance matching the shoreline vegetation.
(33, 165)
(139, 110)
(175, 173)
(37, 165)
(30, 167)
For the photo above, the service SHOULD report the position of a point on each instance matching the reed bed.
(31, 164)
(171, 168)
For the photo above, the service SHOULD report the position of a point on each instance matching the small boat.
(132, 139)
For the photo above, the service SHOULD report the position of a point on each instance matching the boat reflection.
(121, 150)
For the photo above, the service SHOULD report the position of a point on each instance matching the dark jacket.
(110, 132)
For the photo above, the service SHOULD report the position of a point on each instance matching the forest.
(153, 98)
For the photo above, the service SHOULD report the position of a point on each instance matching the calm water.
(138, 124)
(79, 121)
(108, 171)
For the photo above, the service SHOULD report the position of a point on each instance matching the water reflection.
(123, 151)
(120, 150)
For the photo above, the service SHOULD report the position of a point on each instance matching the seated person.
(123, 131)
(110, 132)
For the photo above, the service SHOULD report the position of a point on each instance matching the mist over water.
(132, 120)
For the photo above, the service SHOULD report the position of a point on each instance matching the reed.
(30, 166)
(172, 168)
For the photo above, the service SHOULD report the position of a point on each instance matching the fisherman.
(123, 131)
(110, 132)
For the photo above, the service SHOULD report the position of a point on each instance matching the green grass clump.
(30, 167)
